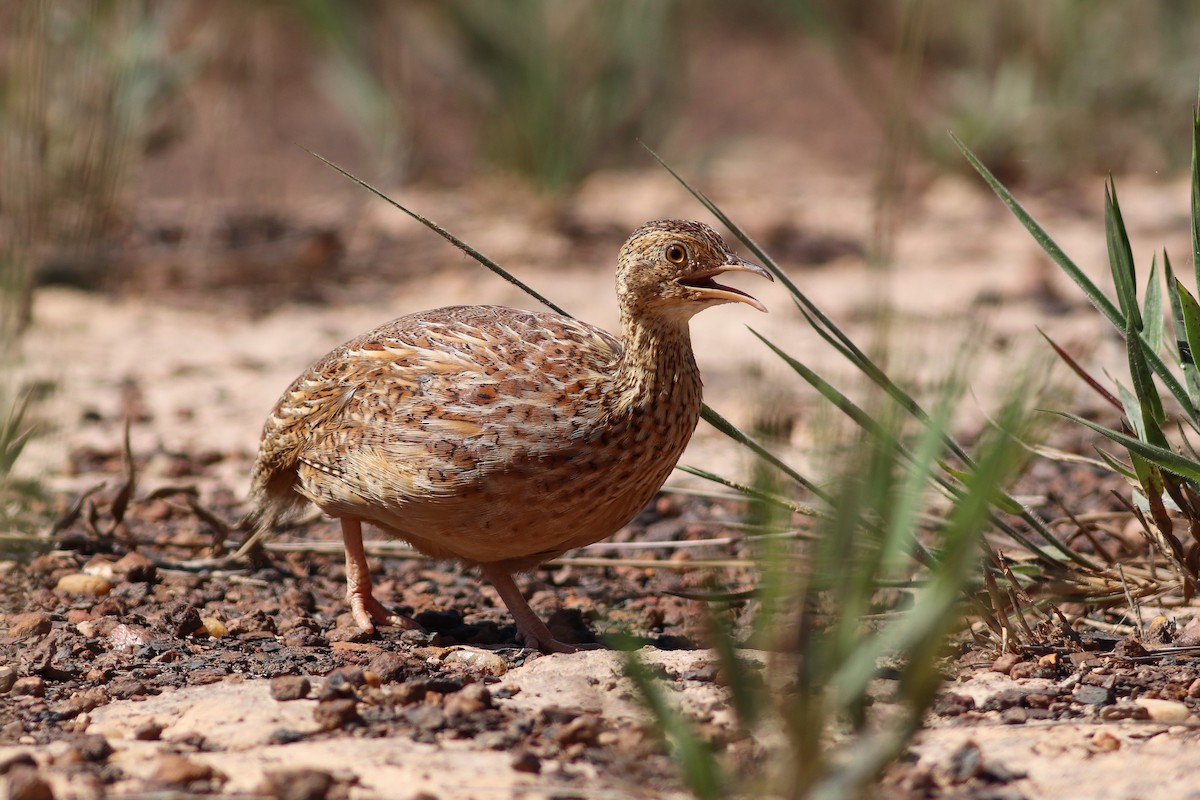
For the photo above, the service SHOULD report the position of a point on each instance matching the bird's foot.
(367, 611)
(552, 645)
(531, 630)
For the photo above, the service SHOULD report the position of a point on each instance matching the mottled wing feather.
(428, 405)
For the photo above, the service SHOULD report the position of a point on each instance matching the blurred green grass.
(1041, 90)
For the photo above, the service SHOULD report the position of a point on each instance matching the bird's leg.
(363, 605)
(532, 629)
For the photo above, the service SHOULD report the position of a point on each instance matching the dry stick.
(401, 550)
(1084, 531)
(1013, 597)
(1133, 604)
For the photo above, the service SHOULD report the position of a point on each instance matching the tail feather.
(273, 499)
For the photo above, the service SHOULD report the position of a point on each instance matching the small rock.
(1193, 690)
(8, 676)
(93, 748)
(180, 620)
(950, 704)
(964, 763)
(24, 783)
(343, 682)
(80, 583)
(254, 622)
(1092, 695)
(1160, 631)
(29, 686)
(125, 687)
(1105, 741)
(1190, 635)
(34, 623)
(394, 667)
(584, 729)
(297, 784)
(1163, 710)
(128, 638)
(526, 761)
(1124, 710)
(214, 627)
(82, 702)
(303, 637)
(483, 661)
(135, 568)
(334, 714)
(148, 731)
(1024, 669)
(175, 770)
(290, 687)
(99, 566)
(472, 699)
(1014, 716)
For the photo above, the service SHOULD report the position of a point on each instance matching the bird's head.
(667, 269)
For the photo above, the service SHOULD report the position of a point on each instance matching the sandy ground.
(962, 269)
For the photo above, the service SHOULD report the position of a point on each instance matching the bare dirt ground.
(141, 677)
(128, 675)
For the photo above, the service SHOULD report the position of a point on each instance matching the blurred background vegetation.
(104, 103)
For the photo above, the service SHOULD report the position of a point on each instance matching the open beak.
(706, 286)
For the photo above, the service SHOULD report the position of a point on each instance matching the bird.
(497, 437)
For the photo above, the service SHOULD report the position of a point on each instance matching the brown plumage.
(497, 437)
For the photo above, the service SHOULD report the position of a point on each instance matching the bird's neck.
(657, 363)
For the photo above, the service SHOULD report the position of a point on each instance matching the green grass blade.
(1189, 335)
(454, 240)
(745, 685)
(1176, 308)
(712, 417)
(1116, 466)
(1120, 258)
(1160, 456)
(1082, 373)
(1096, 297)
(1143, 385)
(698, 763)
(750, 491)
(1154, 324)
(1133, 411)
(1196, 192)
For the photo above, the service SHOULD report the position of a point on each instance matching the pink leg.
(532, 630)
(363, 605)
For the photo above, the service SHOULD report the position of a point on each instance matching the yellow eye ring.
(676, 254)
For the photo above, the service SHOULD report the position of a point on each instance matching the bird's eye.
(676, 254)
